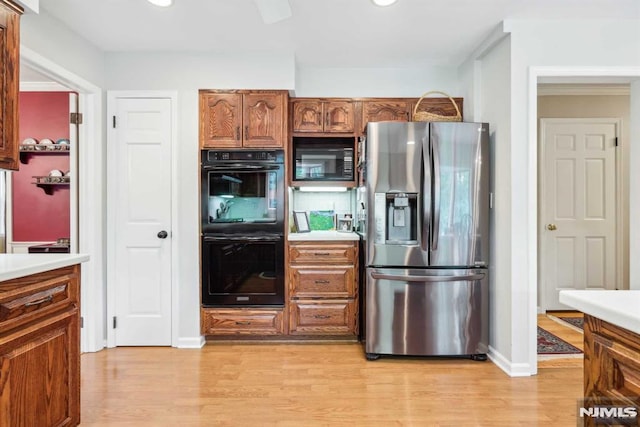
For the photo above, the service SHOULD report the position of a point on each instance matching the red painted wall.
(36, 215)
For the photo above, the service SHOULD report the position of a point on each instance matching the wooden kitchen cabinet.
(388, 110)
(243, 119)
(9, 83)
(611, 365)
(40, 349)
(323, 115)
(241, 321)
(323, 288)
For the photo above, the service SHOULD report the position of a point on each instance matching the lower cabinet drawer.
(322, 281)
(241, 322)
(323, 317)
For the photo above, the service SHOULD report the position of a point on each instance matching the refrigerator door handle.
(406, 278)
(436, 194)
(425, 241)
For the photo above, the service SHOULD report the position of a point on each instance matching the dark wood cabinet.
(386, 110)
(323, 289)
(323, 115)
(611, 366)
(40, 349)
(242, 119)
(9, 83)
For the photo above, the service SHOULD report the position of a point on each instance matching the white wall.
(52, 39)
(634, 183)
(495, 93)
(375, 82)
(591, 47)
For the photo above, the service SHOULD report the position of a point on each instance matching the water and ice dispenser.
(396, 218)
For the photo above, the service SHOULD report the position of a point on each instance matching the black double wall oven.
(242, 213)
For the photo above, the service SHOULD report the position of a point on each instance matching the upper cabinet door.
(263, 119)
(339, 117)
(307, 116)
(9, 83)
(220, 120)
(318, 115)
(385, 111)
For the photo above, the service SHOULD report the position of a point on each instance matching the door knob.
(162, 234)
(551, 227)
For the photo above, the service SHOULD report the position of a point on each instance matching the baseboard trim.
(191, 342)
(511, 369)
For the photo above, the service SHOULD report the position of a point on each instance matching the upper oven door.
(241, 198)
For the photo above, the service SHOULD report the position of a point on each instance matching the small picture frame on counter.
(301, 219)
(345, 224)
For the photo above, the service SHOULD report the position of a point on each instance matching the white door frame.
(532, 188)
(111, 211)
(543, 304)
(90, 194)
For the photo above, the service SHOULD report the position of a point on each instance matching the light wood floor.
(313, 385)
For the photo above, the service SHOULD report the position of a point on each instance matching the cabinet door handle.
(321, 253)
(322, 282)
(40, 301)
(322, 316)
(246, 132)
(237, 133)
(327, 120)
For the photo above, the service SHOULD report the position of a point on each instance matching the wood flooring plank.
(313, 385)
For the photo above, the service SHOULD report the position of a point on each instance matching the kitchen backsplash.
(341, 202)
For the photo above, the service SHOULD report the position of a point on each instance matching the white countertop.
(620, 308)
(320, 235)
(13, 266)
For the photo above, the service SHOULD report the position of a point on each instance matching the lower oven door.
(243, 270)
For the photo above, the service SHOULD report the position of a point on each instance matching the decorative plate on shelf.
(62, 141)
(46, 141)
(29, 141)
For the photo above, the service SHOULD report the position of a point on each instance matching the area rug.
(578, 322)
(551, 344)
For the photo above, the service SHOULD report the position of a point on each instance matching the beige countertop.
(323, 235)
(620, 308)
(13, 266)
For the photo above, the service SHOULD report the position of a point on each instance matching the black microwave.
(323, 158)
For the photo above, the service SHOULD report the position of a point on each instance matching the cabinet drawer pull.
(237, 133)
(322, 282)
(40, 301)
(321, 253)
(322, 316)
(238, 322)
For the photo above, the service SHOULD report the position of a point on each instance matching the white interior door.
(578, 211)
(142, 235)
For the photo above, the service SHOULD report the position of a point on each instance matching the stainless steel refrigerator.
(426, 239)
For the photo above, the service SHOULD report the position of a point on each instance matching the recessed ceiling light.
(161, 3)
(383, 2)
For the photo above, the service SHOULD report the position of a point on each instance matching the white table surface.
(620, 308)
(320, 235)
(13, 266)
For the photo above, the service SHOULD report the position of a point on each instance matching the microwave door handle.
(409, 278)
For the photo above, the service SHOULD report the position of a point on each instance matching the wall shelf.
(26, 151)
(50, 183)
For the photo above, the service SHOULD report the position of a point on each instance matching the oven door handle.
(238, 167)
(265, 238)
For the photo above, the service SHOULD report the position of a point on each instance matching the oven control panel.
(275, 156)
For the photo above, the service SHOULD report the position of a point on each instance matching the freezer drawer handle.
(428, 278)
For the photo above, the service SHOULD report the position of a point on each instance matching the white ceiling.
(333, 33)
